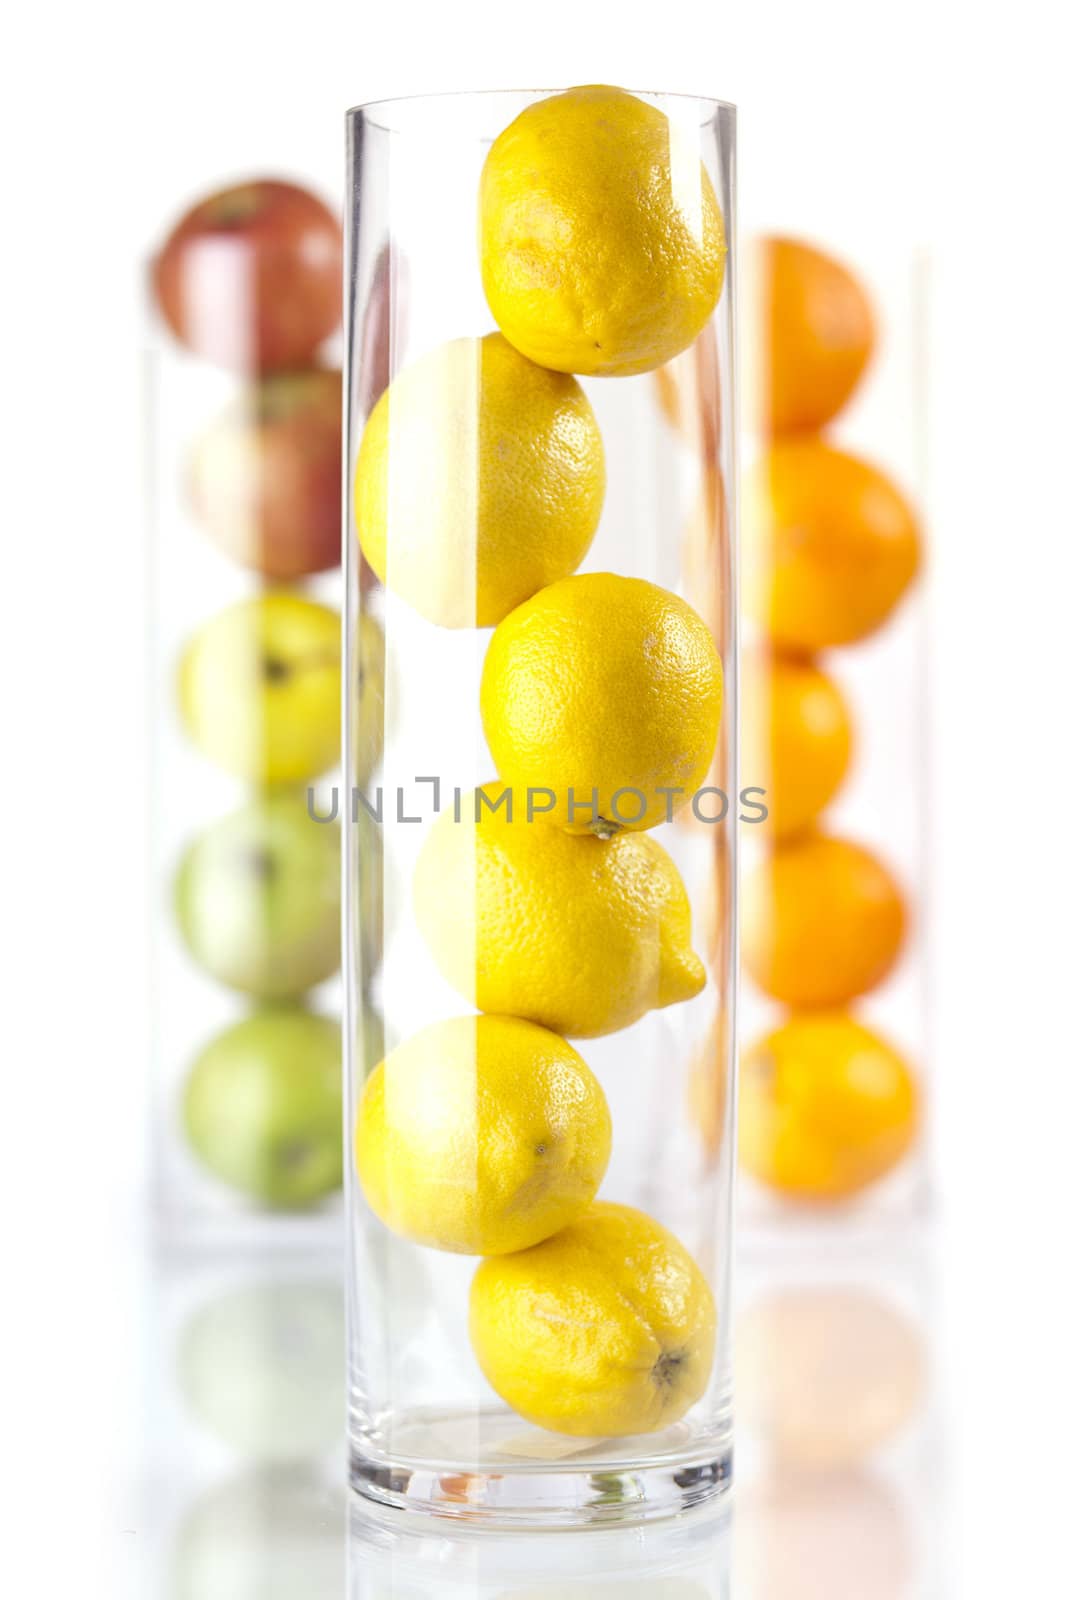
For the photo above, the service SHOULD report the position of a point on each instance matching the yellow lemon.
(260, 688)
(481, 1135)
(579, 935)
(607, 1328)
(603, 245)
(604, 695)
(480, 478)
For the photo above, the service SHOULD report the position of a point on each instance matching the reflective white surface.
(240, 1492)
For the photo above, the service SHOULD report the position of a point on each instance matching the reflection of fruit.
(719, 904)
(600, 685)
(263, 1106)
(689, 389)
(822, 921)
(480, 480)
(263, 1366)
(826, 1107)
(709, 1081)
(607, 1328)
(706, 555)
(603, 246)
(826, 1374)
(251, 277)
(370, 871)
(814, 336)
(369, 700)
(260, 688)
(277, 1533)
(796, 737)
(481, 1135)
(370, 1037)
(822, 1537)
(259, 898)
(384, 331)
(266, 479)
(579, 935)
(828, 545)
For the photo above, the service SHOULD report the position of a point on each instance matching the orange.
(826, 1107)
(828, 545)
(814, 338)
(796, 738)
(822, 921)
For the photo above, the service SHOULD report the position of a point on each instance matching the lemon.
(481, 1135)
(607, 1328)
(602, 242)
(605, 693)
(579, 935)
(480, 478)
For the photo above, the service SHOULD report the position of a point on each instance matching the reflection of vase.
(474, 1416)
(687, 1560)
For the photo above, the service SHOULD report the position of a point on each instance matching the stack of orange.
(829, 547)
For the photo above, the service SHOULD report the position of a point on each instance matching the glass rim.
(363, 108)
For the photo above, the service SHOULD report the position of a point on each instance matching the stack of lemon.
(478, 489)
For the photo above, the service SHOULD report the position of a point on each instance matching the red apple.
(265, 480)
(251, 278)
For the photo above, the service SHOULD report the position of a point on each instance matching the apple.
(260, 688)
(273, 1533)
(262, 1107)
(251, 278)
(258, 898)
(262, 1366)
(265, 480)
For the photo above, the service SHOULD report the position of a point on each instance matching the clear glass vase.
(539, 804)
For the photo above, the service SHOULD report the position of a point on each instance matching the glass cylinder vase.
(539, 803)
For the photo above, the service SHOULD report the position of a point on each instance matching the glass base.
(522, 1477)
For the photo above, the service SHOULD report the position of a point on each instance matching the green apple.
(275, 1533)
(263, 1366)
(260, 688)
(263, 1107)
(258, 898)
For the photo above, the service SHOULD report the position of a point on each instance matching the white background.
(935, 114)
